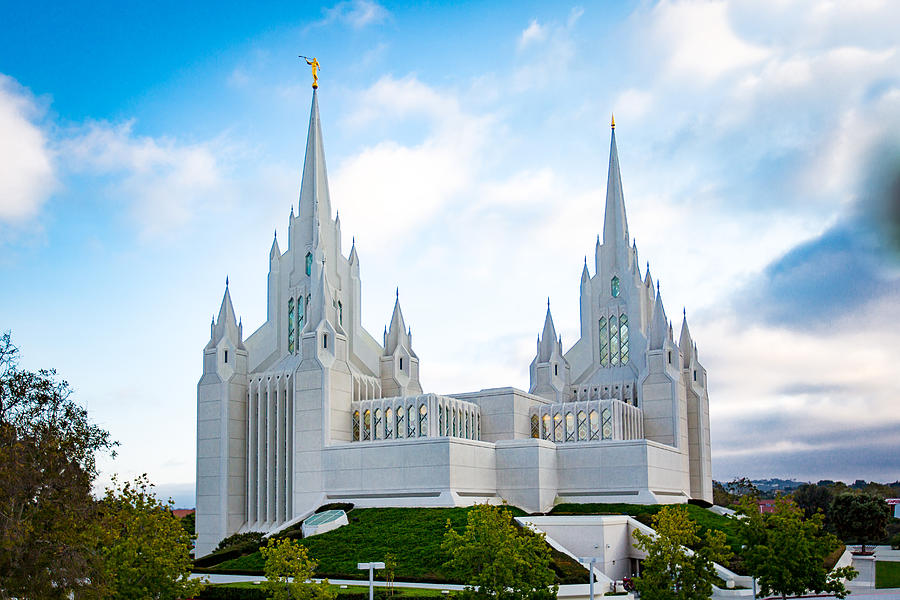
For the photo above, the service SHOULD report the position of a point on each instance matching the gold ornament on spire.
(315, 70)
(612, 123)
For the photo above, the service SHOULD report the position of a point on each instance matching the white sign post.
(590, 560)
(371, 566)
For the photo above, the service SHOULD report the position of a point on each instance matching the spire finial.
(276, 233)
(612, 122)
(315, 70)
(684, 311)
(548, 302)
(226, 281)
(657, 286)
(398, 292)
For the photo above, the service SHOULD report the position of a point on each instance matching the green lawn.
(413, 535)
(887, 574)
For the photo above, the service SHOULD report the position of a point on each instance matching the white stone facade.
(311, 409)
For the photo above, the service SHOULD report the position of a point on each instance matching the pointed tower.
(399, 364)
(222, 430)
(550, 372)
(699, 446)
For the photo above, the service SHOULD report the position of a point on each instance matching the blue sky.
(147, 151)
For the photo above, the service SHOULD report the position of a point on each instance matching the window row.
(388, 424)
(614, 341)
(573, 427)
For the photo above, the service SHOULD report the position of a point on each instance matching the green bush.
(240, 539)
(895, 542)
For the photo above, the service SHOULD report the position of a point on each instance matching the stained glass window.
(623, 338)
(388, 424)
(401, 431)
(309, 263)
(410, 422)
(535, 426)
(604, 343)
(570, 427)
(301, 314)
(423, 420)
(606, 417)
(367, 425)
(547, 430)
(582, 426)
(355, 425)
(291, 325)
(595, 425)
(613, 341)
(614, 287)
(377, 433)
(557, 428)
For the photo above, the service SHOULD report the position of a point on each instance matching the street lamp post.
(590, 560)
(371, 566)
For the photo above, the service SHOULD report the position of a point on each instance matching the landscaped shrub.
(895, 542)
(240, 539)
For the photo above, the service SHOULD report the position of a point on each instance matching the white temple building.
(311, 408)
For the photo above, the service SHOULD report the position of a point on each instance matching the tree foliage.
(145, 549)
(48, 526)
(859, 517)
(786, 554)
(812, 498)
(498, 560)
(289, 570)
(671, 571)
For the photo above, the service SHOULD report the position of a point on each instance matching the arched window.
(455, 423)
(548, 433)
(614, 287)
(604, 343)
(535, 426)
(291, 325)
(613, 341)
(367, 425)
(570, 427)
(595, 425)
(606, 418)
(377, 433)
(355, 425)
(309, 263)
(401, 425)
(410, 421)
(468, 424)
(388, 424)
(557, 428)
(441, 420)
(423, 420)
(623, 338)
(582, 426)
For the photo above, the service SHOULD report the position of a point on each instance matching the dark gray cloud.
(850, 265)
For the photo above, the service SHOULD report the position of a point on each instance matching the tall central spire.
(615, 225)
(314, 199)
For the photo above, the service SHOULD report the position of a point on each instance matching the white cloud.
(355, 13)
(531, 34)
(27, 175)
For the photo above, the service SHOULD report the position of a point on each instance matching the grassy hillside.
(413, 535)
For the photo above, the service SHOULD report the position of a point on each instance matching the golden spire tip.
(612, 123)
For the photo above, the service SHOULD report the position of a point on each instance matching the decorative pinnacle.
(684, 311)
(548, 302)
(398, 292)
(612, 123)
(226, 281)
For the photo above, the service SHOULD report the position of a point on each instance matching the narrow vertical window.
(556, 370)
(595, 425)
(455, 423)
(355, 425)
(300, 316)
(388, 424)
(308, 263)
(548, 433)
(535, 426)
(226, 356)
(291, 325)
(670, 357)
(423, 420)
(604, 343)
(582, 426)
(401, 426)
(410, 421)
(557, 428)
(614, 287)
(377, 431)
(570, 427)
(401, 363)
(623, 338)
(695, 374)
(606, 418)
(367, 425)
(340, 313)
(467, 426)
(441, 420)
(325, 340)
(613, 341)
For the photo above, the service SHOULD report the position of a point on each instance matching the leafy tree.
(859, 517)
(786, 554)
(145, 549)
(497, 559)
(288, 571)
(189, 524)
(812, 498)
(390, 566)
(742, 486)
(48, 525)
(721, 497)
(671, 571)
